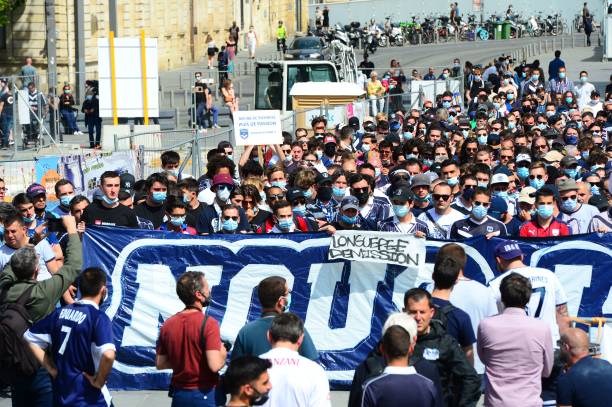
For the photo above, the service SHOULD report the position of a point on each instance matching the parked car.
(309, 47)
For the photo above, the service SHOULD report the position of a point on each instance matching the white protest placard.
(257, 127)
(377, 247)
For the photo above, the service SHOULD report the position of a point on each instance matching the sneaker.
(216, 126)
(76, 133)
(11, 142)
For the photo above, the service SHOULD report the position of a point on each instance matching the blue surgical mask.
(349, 220)
(483, 185)
(409, 156)
(496, 105)
(376, 172)
(476, 77)
(28, 220)
(535, 77)
(424, 199)
(65, 200)
(569, 205)
(595, 167)
(158, 196)
(542, 126)
(319, 154)
(408, 135)
(482, 140)
(479, 211)
(230, 225)
(446, 104)
(299, 210)
(569, 99)
(308, 194)
(561, 75)
(522, 172)
(536, 183)
(400, 210)
(511, 125)
(510, 96)
(279, 184)
(365, 148)
(545, 211)
(465, 133)
(571, 172)
(427, 162)
(186, 199)
(501, 194)
(571, 139)
(594, 189)
(109, 201)
(177, 220)
(288, 305)
(337, 191)
(285, 224)
(452, 181)
(584, 79)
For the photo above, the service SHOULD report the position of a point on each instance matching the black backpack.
(15, 355)
(441, 314)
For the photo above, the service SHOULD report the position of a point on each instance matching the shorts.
(211, 52)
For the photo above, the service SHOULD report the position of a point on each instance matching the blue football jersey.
(78, 335)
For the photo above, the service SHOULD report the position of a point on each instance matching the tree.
(6, 7)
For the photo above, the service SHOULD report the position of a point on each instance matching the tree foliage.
(6, 7)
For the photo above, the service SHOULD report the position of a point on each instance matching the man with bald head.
(588, 382)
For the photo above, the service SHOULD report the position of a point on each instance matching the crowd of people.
(527, 158)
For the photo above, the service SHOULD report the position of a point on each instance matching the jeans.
(35, 390)
(375, 103)
(193, 398)
(70, 117)
(6, 124)
(203, 115)
(94, 123)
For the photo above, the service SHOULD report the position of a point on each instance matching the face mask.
(158, 196)
(186, 199)
(479, 211)
(496, 105)
(427, 162)
(173, 172)
(230, 156)
(468, 194)
(477, 78)
(288, 158)
(223, 194)
(594, 189)
(535, 77)
(452, 181)
(465, 133)
(440, 158)
(584, 79)
(365, 148)
(549, 113)
(89, 97)
(571, 172)
(561, 75)
(446, 104)
(337, 191)
(569, 205)
(109, 201)
(536, 183)
(349, 220)
(65, 200)
(230, 225)
(324, 194)
(424, 199)
(545, 211)
(285, 224)
(409, 156)
(67, 92)
(260, 400)
(28, 220)
(279, 184)
(400, 210)
(511, 125)
(177, 220)
(585, 154)
(362, 197)
(376, 172)
(501, 194)
(542, 126)
(308, 194)
(569, 99)
(595, 167)
(522, 172)
(288, 304)
(510, 96)
(483, 185)
(506, 82)
(299, 210)
(571, 139)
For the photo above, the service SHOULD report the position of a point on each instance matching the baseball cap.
(124, 194)
(498, 206)
(368, 119)
(34, 190)
(294, 193)
(420, 180)
(349, 202)
(395, 126)
(127, 181)
(404, 320)
(568, 160)
(329, 139)
(553, 156)
(354, 122)
(224, 179)
(508, 250)
(369, 127)
(566, 184)
(323, 178)
(402, 193)
(500, 178)
(527, 195)
(523, 157)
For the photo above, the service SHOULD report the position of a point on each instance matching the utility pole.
(112, 17)
(51, 44)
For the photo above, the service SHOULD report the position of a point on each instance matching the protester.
(190, 344)
(297, 380)
(515, 348)
(108, 211)
(247, 381)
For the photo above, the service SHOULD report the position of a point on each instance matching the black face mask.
(324, 193)
(330, 149)
(362, 197)
(468, 193)
(260, 400)
(206, 302)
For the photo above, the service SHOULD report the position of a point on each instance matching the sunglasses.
(224, 187)
(572, 197)
(287, 151)
(469, 187)
(437, 197)
(471, 150)
(536, 176)
(278, 197)
(485, 204)
(508, 157)
(359, 190)
(299, 201)
(230, 217)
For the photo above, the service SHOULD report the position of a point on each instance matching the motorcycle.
(533, 29)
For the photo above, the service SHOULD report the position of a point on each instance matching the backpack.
(441, 314)
(15, 355)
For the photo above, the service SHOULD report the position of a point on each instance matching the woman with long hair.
(212, 50)
(229, 97)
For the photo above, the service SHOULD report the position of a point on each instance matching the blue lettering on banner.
(343, 303)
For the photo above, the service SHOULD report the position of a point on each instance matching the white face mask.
(223, 194)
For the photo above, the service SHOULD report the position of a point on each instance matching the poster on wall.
(47, 174)
(17, 176)
(94, 166)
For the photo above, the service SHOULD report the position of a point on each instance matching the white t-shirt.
(296, 380)
(45, 254)
(444, 221)
(547, 294)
